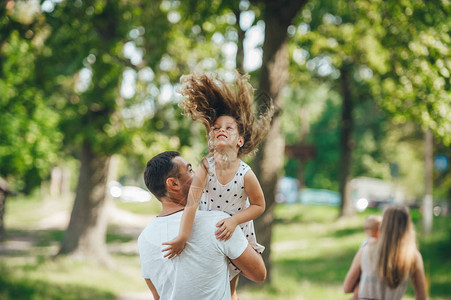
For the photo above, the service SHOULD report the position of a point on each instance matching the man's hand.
(175, 247)
(226, 229)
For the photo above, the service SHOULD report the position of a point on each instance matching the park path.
(55, 215)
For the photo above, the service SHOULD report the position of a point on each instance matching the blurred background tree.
(81, 71)
(273, 74)
(112, 70)
(372, 61)
(29, 138)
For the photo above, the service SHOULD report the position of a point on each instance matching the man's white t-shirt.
(200, 272)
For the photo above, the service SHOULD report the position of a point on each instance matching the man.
(200, 271)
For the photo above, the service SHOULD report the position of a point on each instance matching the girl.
(224, 182)
(386, 265)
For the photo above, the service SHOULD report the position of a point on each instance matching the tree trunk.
(85, 236)
(273, 75)
(4, 192)
(305, 129)
(2, 215)
(56, 177)
(428, 178)
(346, 144)
(240, 44)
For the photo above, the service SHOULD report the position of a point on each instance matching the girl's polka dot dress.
(230, 198)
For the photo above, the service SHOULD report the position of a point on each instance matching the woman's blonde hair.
(207, 97)
(397, 248)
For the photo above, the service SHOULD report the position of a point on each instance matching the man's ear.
(172, 183)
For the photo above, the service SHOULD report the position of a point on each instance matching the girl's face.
(225, 133)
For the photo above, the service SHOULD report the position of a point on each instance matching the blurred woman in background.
(384, 267)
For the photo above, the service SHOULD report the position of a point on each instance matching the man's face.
(186, 174)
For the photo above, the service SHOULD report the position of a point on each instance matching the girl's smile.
(221, 134)
(225, 130)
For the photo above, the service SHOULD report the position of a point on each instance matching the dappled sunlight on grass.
(312, 250)
(152, 207)
(30, 282)
(296, 212)
(27, 257)
(84, 280)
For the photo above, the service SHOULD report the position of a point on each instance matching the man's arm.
(251, 264)
(152, 289)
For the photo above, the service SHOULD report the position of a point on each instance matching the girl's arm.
(176, 245)
(353, 276)
(418, 279)
(257, 207)
(355, 295)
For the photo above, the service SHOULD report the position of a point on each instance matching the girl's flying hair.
(207, 97)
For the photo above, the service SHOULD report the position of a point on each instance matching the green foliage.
(417, 85)
(75, 66)
(322, 171)
(377, 141)
(195, 42)
(167, 46)
(29, 139)
(332, 38)
(87, 36)
(402, 53)
(399, 61)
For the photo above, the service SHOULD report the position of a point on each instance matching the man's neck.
(170, 207)
(168, 213)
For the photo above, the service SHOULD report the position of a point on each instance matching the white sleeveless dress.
(371, 287)
(230, 198)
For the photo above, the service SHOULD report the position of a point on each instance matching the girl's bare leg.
(233, 284)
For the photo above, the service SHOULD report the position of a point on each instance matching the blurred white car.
(128, 193)
(287, 190)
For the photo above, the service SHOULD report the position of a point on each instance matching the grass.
(29, 269)
(152, 207)
(311, 253)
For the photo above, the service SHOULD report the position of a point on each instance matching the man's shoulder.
(209, 218)
(210, 215)
(153, 223)
(152, 227)
(145, 230)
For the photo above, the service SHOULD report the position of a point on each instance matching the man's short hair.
(158, 169)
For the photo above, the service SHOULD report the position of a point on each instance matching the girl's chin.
(220, 144)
